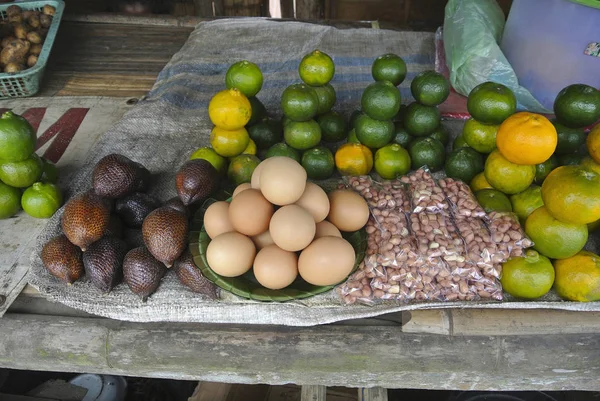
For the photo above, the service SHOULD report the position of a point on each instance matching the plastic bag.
(508, 235)
(424, 193)
(462, 200)
(472, 31)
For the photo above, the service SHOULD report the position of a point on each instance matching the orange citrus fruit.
(578, 277)
(593, 143)
(229, 143)
(479, 182)
(590, 164)
(530, 276)
(229, 109)
(354, 159)
(526, 138)
(506, 176)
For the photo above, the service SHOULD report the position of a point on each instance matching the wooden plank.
(324, 355)
(313, 393)
(206, 391)
(434, 321)
(372, 394)
(309, 9)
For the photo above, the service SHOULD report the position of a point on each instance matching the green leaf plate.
(246, 286)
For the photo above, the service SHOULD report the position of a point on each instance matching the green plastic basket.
(27, 82)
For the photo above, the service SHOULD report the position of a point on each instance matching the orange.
(354, 159)
(526, 138)
(572, 194)
(479, 182)
(578, 277)
(229, 143)
(593, 143)
(590, 164)
(229, 109)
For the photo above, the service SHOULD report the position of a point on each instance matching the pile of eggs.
(282, 226)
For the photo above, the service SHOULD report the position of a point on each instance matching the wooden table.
(437, 349)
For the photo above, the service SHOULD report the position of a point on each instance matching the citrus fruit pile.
(26, 180)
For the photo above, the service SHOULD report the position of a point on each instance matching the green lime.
(427, 152)
(17, 138)
(299, 102)
(258, 111)
(464, 164)
(283, 149)
(553, 238)
(241, 168)
(326, 97)
(529, 277)
(392, 161)
(209, 154)
(318, 163)
(459, 142)
(492, 200)
(524, 203)
(479, 182)
(41, 200)
(333, 126)
(266, 133)
(316, 68)
(421, 120)
(401, 135)
(506, 176)
(374, 133)
(10, 200)
(302, 135)
(570, 140)
(22, 174)
(543, 169)
(571, 159)
(285, 120)
(352, 136)
(481, 137)
(49, 172)
(577, 106)
(430, 88)
(353, 118)
(491, 103)
(381, 100)
(245, 77)
(441, 134)
(389, 67)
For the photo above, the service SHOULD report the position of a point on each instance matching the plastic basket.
(27, 82)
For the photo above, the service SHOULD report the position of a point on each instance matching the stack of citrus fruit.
(22, 169)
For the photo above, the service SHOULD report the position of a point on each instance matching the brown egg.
(348, 211)
(327, 261)
(216, 219)
(275, 268)
(255, 179)
(262, 240)
(315, 200)
(250, 212)
(292, 228)
(282, 180)
(326, 229)
(230, 254)
(240, 188)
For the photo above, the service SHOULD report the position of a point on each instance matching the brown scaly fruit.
(177, 204)
(190, 276)
(115, 227)
(85, 219)
(63, 259)
(115, 176)
(103, 262)
(134, 208)
(195, 181)
(165, 233)
(142, 272)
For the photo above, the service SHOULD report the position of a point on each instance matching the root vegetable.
(32, 60)
(14, 9)
(48, 10)
(21, 31)
(36, 49)
(7, 40)
(15, 18)
(45, 20)
(34, 37)
(34, 21)
(15, 52)
(14, 67)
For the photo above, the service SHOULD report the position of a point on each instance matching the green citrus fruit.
(353, 117)
(479, 182)
(374, 133)
(505, 176)
(333, 126)
(491, 103)
(389, 67)
(245, 77)
(577, 106)
(49, 172)
(352, 136)
(463, 164)
(571, 159)
(570, 140)
(318, 163)
(283, 149)
(302, 135)
(529, 277)
(524, 203)
(421, 120)
(543, 169)
(430, 88)
(257, 111)
(392, 161)
(241, 168)
(399, 117)
(590, 164)
(209, 154)
(427, 152)
(316, 68)
(441, 134)
(401, 136)
(17, 138)
(381, 100)
(299, 102)
(492, 200)
(10, 200)
(480, 137)
(266, 133)
(459, 142)
(22, 174)
(41, 200)
(326, 97)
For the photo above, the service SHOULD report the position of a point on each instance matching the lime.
(399, 117)
(543, 169)
(285, 120)
(257, 111)
(392, 161)
(353, 117)
(333, 126)
(492, 200)
(479, 182)
(381, 100)
(209, 154)
(374, 133)
(299, 102)
(571, 159)
(578, 277)
(302, 135)
(22, 174)
(507, 177)
(480, 137)
(241, 168)
(229, 143)
(430, 88)
(459, 142)
(577, 106)
(524, 203)
(529, 277)
(17, 138)
(41, 200)
(570, 140)
(590, 164)
(283, 149)
(463, 164)
(326, 98)
(245, 77)
(491, 103)
(427, 152)
(318, 163)
(316, 68)
(250, 149)
(49, 172)
(352, 136)
(553, 238)
(421, 120)
(389, 67)
(401, 136)
(266, 133)
(441, 134)
(10, 200)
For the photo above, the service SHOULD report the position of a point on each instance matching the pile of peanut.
(430, 241)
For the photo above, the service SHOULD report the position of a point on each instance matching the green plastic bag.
(472, 31)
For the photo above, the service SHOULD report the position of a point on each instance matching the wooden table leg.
(313, 393)
(372, 394)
